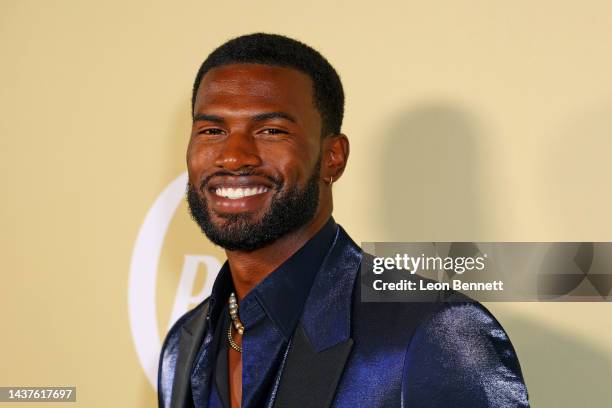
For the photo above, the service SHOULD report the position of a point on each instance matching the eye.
(211, 131)
(273, 131)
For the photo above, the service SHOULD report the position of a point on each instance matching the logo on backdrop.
(144, 273)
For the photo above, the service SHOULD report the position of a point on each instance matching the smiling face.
(254, 157)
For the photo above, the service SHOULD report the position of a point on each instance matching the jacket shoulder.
(455, 353)
(461, 356)
(169, 353)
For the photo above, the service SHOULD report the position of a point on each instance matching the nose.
(239, 151)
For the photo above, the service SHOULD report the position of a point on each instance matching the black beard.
(287, 213)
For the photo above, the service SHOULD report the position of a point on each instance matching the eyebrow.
(260, 117)
(203, 117)
(274, 115)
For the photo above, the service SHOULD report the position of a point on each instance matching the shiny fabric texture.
(420, 355)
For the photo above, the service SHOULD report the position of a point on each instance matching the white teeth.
(235, 193)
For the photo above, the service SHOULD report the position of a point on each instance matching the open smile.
(238, 194)
(235, 193)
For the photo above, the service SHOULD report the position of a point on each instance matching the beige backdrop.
(468, 120)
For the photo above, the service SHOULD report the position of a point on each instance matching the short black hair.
(278, 50)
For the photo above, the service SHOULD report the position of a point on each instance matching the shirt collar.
(283, 292)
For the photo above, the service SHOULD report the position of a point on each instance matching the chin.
(221, 221)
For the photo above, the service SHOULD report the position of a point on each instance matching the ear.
(336, 150)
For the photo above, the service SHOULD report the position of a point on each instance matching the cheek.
(198, 160)
(294, 162)
(295, 173)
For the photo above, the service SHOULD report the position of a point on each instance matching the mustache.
(242, 173)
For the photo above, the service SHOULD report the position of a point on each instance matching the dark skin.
(260, 117)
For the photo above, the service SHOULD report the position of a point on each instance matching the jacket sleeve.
(461, 357)
(167, 364)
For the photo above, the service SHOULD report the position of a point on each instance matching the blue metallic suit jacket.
(347, 353)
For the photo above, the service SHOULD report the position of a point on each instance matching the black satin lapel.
(310, 379)
(189, 344)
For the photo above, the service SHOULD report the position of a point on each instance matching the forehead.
(256, 86)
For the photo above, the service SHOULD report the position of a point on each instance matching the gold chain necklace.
(233, 311)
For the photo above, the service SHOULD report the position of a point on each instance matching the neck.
(250, 268)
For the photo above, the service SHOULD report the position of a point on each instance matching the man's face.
(254, 154)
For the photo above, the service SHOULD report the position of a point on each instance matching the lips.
(233, 194)
(239, 192)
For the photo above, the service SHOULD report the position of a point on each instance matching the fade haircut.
(281, 51)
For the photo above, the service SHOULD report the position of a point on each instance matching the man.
(284, 325)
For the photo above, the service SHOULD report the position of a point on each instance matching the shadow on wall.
(431, 175)
(560, 370)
